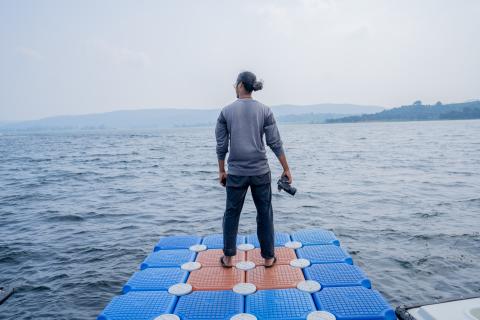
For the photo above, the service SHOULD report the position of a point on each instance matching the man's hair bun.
(257, 85)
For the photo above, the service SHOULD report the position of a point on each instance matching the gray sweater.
(243, 123)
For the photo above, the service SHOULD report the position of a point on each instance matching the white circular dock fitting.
(245, 265)
(180, 289)
(309, 286)
(293, 244)
(168, 316)
(191, 266)
(198, 247)
(245, 246)
(300, 263)
(243, 316)
(320, 315)
(244, 288)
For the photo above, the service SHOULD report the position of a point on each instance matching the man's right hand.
(222, 178)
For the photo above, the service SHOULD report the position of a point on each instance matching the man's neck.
(245, 96)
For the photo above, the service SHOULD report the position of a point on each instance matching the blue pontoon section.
(286, 304)
(280, 239)
(140, 305)
(167, 258)
(215, 241)
(315, 237)
(337, 275)
(354, 303)
(324, 254)
(214, 305)
(177, 242)
(155, 279)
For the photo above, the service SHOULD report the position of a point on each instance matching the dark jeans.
(261, 189)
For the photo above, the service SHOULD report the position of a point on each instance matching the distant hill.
(309, 117)
(419, 112)
(325, 108)
(169, 118)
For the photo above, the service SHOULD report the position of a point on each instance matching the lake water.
(80, 210)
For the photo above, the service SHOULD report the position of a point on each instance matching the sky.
(77, 57)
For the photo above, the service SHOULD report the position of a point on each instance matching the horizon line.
(183, 108)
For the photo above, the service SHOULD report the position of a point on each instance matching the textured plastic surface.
(206, 305)
(276, 277)
(177, 242)
(324, 254)
(337, 275)
(215, 278)
(354, 303)
(280, 239)
(315, 236)
(284, 256)
(285, 304)
(139, 305)
(215, 241)
(167, 258)
(211, 258)
(155, 279)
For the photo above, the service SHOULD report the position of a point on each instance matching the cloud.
(29, 53)
(121, 55)
(290, 16)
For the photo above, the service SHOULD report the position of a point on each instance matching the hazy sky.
(75, 57)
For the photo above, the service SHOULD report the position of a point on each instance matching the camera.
(284, 185)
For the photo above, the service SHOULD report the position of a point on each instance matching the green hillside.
(419, 112)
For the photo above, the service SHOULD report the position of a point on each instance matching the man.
(243, 123)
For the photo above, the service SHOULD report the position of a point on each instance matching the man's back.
(244, 122)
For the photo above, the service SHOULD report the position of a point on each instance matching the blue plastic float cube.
(324, 254)
(209, 305)
(310, 237)
(354, 303)
(167, 258)
(177, 242)
(141, 305)
(337, 275)
(280, 239)
(285, 304)
(155, 279)
(215, 241)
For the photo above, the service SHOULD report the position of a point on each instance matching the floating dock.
(313, 279)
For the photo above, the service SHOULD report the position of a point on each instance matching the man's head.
(246, 83)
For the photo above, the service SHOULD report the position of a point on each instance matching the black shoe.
(274, 260)
(223, 263)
